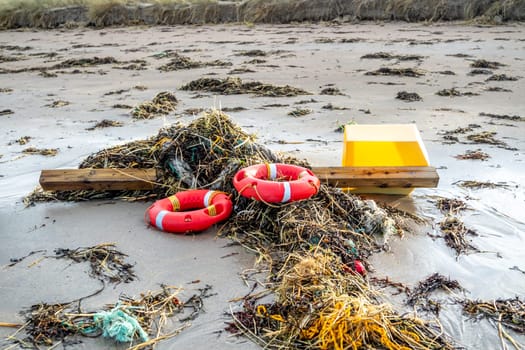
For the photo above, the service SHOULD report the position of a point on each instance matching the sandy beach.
(48, 104)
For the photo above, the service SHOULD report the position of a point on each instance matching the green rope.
(119, 325)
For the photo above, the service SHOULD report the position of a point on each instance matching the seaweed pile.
(314, 251)
(235, 86)
(163, 103)
(48, 323)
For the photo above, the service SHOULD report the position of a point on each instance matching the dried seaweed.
(47, 323)
(419, 295)
(404, 72)
(473, 154)
(49, 152)
(486, 64)
(105, 123)
(501, 77)
(179, 62)
(6, 111)
(455, 232)
(58, 104)
(509, 312)
(487, 137)
(235, 86)
(480, 184)
(106, 262)
(163, 103)
(502, 116)
(453, 92)
(299, 112)
(408, 96)
(389, 56)
(451, 205)
(331, 91)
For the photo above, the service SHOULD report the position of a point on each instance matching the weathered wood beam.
(144, 179)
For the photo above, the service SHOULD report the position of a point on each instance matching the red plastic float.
(276, 183)
(189, 211)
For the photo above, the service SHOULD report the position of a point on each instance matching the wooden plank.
(97, 179)
(379, 177)
(143, 179)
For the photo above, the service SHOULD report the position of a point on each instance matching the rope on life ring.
(190, 211)
(276, 183)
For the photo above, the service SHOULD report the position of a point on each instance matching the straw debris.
(48, 152)
(235, 86)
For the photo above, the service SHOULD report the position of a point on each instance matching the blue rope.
(119, 325)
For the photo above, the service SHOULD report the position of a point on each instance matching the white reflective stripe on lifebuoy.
(273, 171)
(207, 198)
(158, 219)
(287, 195)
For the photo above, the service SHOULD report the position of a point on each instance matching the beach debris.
(486, 64)
(420, 294)
(116, 92)
(235, 86)
(163, 103)
(319, 305)
(480, 184)
(389, 56)
(509, 312)
(105, 123)
(48, 152)
(404, 72)
(501, 77)
(252, 53)
(331, 107)
(6, 90)
(179, 62)
(255, 61)
(241, 71)
(23, 140)
(497, 89)
(84, 62)
(6, 111)
(105, 261)
(324, 40)
(453, 92)
(473, 154)
(451, 205)
(299, 112)
(502, 116)
(233, 109)
(455, 232)
(487, 137)
(331, 91)
(122, 106)
(479, 71)
(58, 104)
(408, 96)
(144, 319)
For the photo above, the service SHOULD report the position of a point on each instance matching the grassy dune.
(55, 13)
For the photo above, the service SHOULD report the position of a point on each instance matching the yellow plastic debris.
(380, 145)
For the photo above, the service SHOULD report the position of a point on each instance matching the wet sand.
(55, 112)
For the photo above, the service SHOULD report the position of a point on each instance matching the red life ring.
(207, 208)
(259, 182)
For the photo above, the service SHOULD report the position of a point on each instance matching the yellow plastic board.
(383, 145)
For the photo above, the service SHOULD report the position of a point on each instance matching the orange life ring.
(276, 183)
(188, 211)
